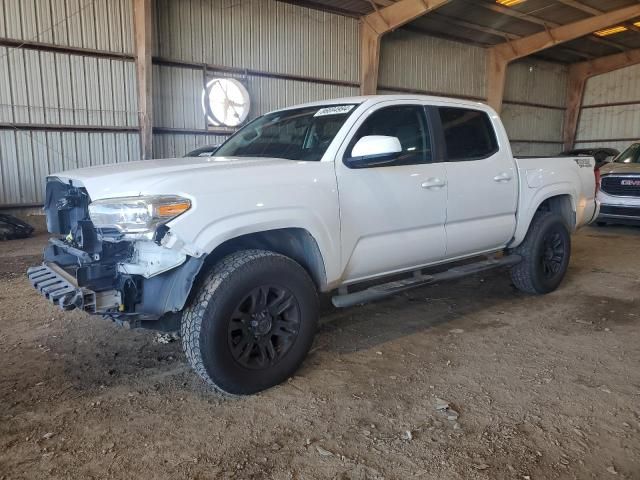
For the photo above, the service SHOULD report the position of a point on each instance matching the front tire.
(545, 253)
(252, 322)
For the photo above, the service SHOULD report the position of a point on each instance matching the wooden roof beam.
(564, 33)
(579, 73)
(501, 55)
(399, 13)
(599, 66)
(539, 21)
(594, 11)
(499, 33)
(381, 21)
(512, 13)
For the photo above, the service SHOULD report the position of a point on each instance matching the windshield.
(298, 134)
(630, 155)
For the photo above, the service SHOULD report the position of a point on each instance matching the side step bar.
(418, 280)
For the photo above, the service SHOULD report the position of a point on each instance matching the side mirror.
(374, 151)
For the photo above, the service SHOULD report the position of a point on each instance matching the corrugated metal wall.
(27, 157)
(615, 87)
(535, 91)
(610, 114)
(257, 35)
(178, 91)
(414, 61)
(45, 94)
(260, 35)
(248, 36)
(177, 94)
(276, 93)
(170, 145)
(536, 81)
(177, 108)
(533, 109)
(96, 24)
(62, 89)
(284, 54)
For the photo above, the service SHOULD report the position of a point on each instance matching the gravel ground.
(464, 380)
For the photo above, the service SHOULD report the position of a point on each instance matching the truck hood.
(620, 168)
(161, 176)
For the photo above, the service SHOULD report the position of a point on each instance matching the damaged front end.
(127, 267)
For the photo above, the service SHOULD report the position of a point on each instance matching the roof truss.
(579, 73)
(501, 55)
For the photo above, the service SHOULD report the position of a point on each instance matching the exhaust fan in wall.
(225, 102)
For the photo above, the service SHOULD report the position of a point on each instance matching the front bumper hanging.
(61, 289)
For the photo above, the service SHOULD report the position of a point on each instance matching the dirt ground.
(545, 387)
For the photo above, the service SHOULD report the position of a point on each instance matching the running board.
(418, 280)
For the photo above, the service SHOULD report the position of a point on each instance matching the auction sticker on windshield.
(336, 110)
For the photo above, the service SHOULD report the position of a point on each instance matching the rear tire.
(545, 253)
(252, 322)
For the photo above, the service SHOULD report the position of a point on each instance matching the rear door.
(392, 216)
(482, 182)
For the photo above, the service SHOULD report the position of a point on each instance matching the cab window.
(408, 124)
(468, 134)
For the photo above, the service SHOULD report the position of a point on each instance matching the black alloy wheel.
(264, 326)
(545, 252)
(553, 252)
(251, 323)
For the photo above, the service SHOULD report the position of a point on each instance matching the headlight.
(137, 215)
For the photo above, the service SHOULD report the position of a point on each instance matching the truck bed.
(544, 177)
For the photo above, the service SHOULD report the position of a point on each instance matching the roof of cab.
(373, 99)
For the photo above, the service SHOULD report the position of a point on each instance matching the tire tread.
(193, 315)
(522, 274)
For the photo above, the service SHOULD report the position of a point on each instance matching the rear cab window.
(468, 134)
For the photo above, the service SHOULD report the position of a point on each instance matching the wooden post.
(374, 25)
(142, 25)
(575, 94)
(369, 59)
(496, 79)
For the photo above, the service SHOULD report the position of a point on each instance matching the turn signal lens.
(173, 209)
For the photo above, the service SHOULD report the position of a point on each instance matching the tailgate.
(588, 180)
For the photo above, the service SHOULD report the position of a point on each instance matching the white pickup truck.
(315, 198)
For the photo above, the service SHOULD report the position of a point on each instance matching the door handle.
(433, 182)
(502, 177)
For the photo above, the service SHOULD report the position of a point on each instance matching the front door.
(393, 216)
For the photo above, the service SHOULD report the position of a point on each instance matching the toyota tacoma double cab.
(357, 197)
